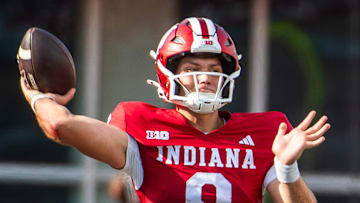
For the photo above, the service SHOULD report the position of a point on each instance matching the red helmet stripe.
(204, 29)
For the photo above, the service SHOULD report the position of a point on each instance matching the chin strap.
(202, 102)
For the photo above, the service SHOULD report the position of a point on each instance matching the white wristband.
(286, 173)
(36, 97)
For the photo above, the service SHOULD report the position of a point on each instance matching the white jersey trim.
(133, 166)
(270, 176)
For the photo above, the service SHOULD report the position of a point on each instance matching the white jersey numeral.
(196, 183)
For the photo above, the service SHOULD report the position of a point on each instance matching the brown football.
(45, 63)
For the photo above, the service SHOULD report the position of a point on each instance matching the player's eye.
(191, 69)
(216, 69)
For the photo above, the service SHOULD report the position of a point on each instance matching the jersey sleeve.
(133, 166)
(270, 176)
(117, 117)
(276, 118)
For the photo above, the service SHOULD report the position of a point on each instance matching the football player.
(194, 152)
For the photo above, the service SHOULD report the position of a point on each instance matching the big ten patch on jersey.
(157, 135)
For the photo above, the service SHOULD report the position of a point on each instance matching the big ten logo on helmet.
(207, 42)
(157, 135)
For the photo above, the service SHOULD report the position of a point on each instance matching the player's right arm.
(92, 137)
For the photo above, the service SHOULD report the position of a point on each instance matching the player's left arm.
(288, 148)
(297, 191)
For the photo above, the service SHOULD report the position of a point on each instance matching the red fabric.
(164, 182)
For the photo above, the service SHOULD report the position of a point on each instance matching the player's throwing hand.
(30, 94)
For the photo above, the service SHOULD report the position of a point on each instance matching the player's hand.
(289, 147)
(60, 99)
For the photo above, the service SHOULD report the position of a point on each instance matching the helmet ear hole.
(228, 42)
(227, 63)
(177, 88)
(225, 92)
(178, 40)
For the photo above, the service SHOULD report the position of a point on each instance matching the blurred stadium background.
(297, 55)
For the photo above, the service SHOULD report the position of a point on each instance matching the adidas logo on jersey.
(247, 141)
(157, 135)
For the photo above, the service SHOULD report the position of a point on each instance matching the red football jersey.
(183, 164)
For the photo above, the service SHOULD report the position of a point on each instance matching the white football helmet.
(187, 38)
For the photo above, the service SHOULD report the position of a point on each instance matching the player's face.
(206, 83)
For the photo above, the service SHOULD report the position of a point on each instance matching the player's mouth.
(207, 89)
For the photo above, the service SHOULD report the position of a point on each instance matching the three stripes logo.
(247, 141)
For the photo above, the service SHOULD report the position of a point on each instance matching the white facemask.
(200, 102)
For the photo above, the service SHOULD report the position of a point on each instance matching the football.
(45, 63)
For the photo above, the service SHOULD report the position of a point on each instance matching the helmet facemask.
(197, 101)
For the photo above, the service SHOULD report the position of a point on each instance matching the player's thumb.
(281, 130)
(69, 95)
(64, 99)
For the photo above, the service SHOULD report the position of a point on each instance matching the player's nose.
(203, 79)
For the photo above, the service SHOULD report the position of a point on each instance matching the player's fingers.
(319, 133)
(323, 130)
(26, 90)
(23, 88)
(315, 143)
(22, 84)
(319, 124)
(307, 121)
